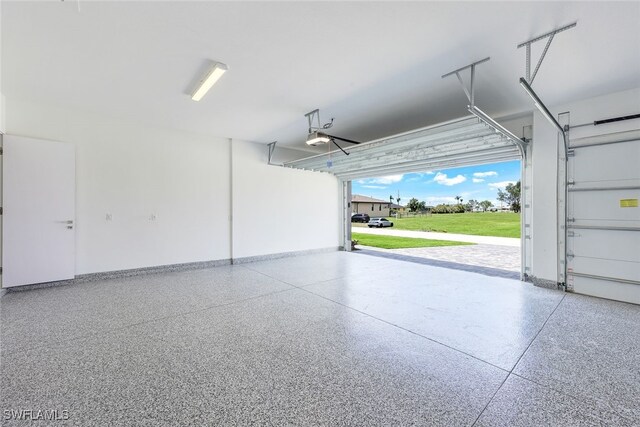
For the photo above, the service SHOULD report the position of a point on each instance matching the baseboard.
(169, 268)
(244, 260)
(94, 277)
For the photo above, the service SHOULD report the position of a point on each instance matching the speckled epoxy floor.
(328, 339)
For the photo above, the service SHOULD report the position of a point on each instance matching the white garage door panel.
(622, 160)
(620, 259)
(603, 239)
(609, 290)
(624, 246)
(604, 208)
(594, 267)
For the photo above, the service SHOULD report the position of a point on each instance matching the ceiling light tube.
(540, 105)
(212, 77)
(316, 138)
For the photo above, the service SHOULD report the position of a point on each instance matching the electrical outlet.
(152, 217)
(108, 217)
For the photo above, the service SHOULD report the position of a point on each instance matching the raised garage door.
(603, 216)
(464, 142)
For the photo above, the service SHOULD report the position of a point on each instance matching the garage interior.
(177, 257)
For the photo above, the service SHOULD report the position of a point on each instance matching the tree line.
(510, 196)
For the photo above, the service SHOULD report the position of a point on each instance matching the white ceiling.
(374, 66)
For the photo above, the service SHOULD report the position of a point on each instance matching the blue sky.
(441, 186)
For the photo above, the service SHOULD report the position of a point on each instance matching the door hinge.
(1, 210)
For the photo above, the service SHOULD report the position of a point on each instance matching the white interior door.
(38, 184)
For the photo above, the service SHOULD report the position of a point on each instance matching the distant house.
(369, 205)
(397, 208)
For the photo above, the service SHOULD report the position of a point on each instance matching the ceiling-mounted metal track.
(520, 143)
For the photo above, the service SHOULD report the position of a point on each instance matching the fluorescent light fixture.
(214, 74)
(540, 105)
(317, 138)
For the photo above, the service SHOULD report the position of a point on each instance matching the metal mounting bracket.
(521, 143)
(315, 116)
(528, 44)
(272, 148)
(469, 92)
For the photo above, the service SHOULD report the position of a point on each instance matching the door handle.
(70, 227)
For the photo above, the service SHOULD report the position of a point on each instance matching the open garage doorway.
(447, 150)
(467, 218)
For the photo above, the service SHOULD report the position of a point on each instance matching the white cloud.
(485, 174)
(501, 185)
(418, 176)
(383, 180)
(477, 180)
(441, 178)
(374, 186)
(391, 179)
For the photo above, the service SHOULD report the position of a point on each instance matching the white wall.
(277, 209)
(2, 123)
(544, 166)
(544, 155)
(135, 172)
(518, 125)
(2, 99)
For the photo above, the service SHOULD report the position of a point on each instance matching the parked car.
(359, 217)
(379, 222)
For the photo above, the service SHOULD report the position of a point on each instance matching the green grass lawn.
(501, 224)
(392, 242)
